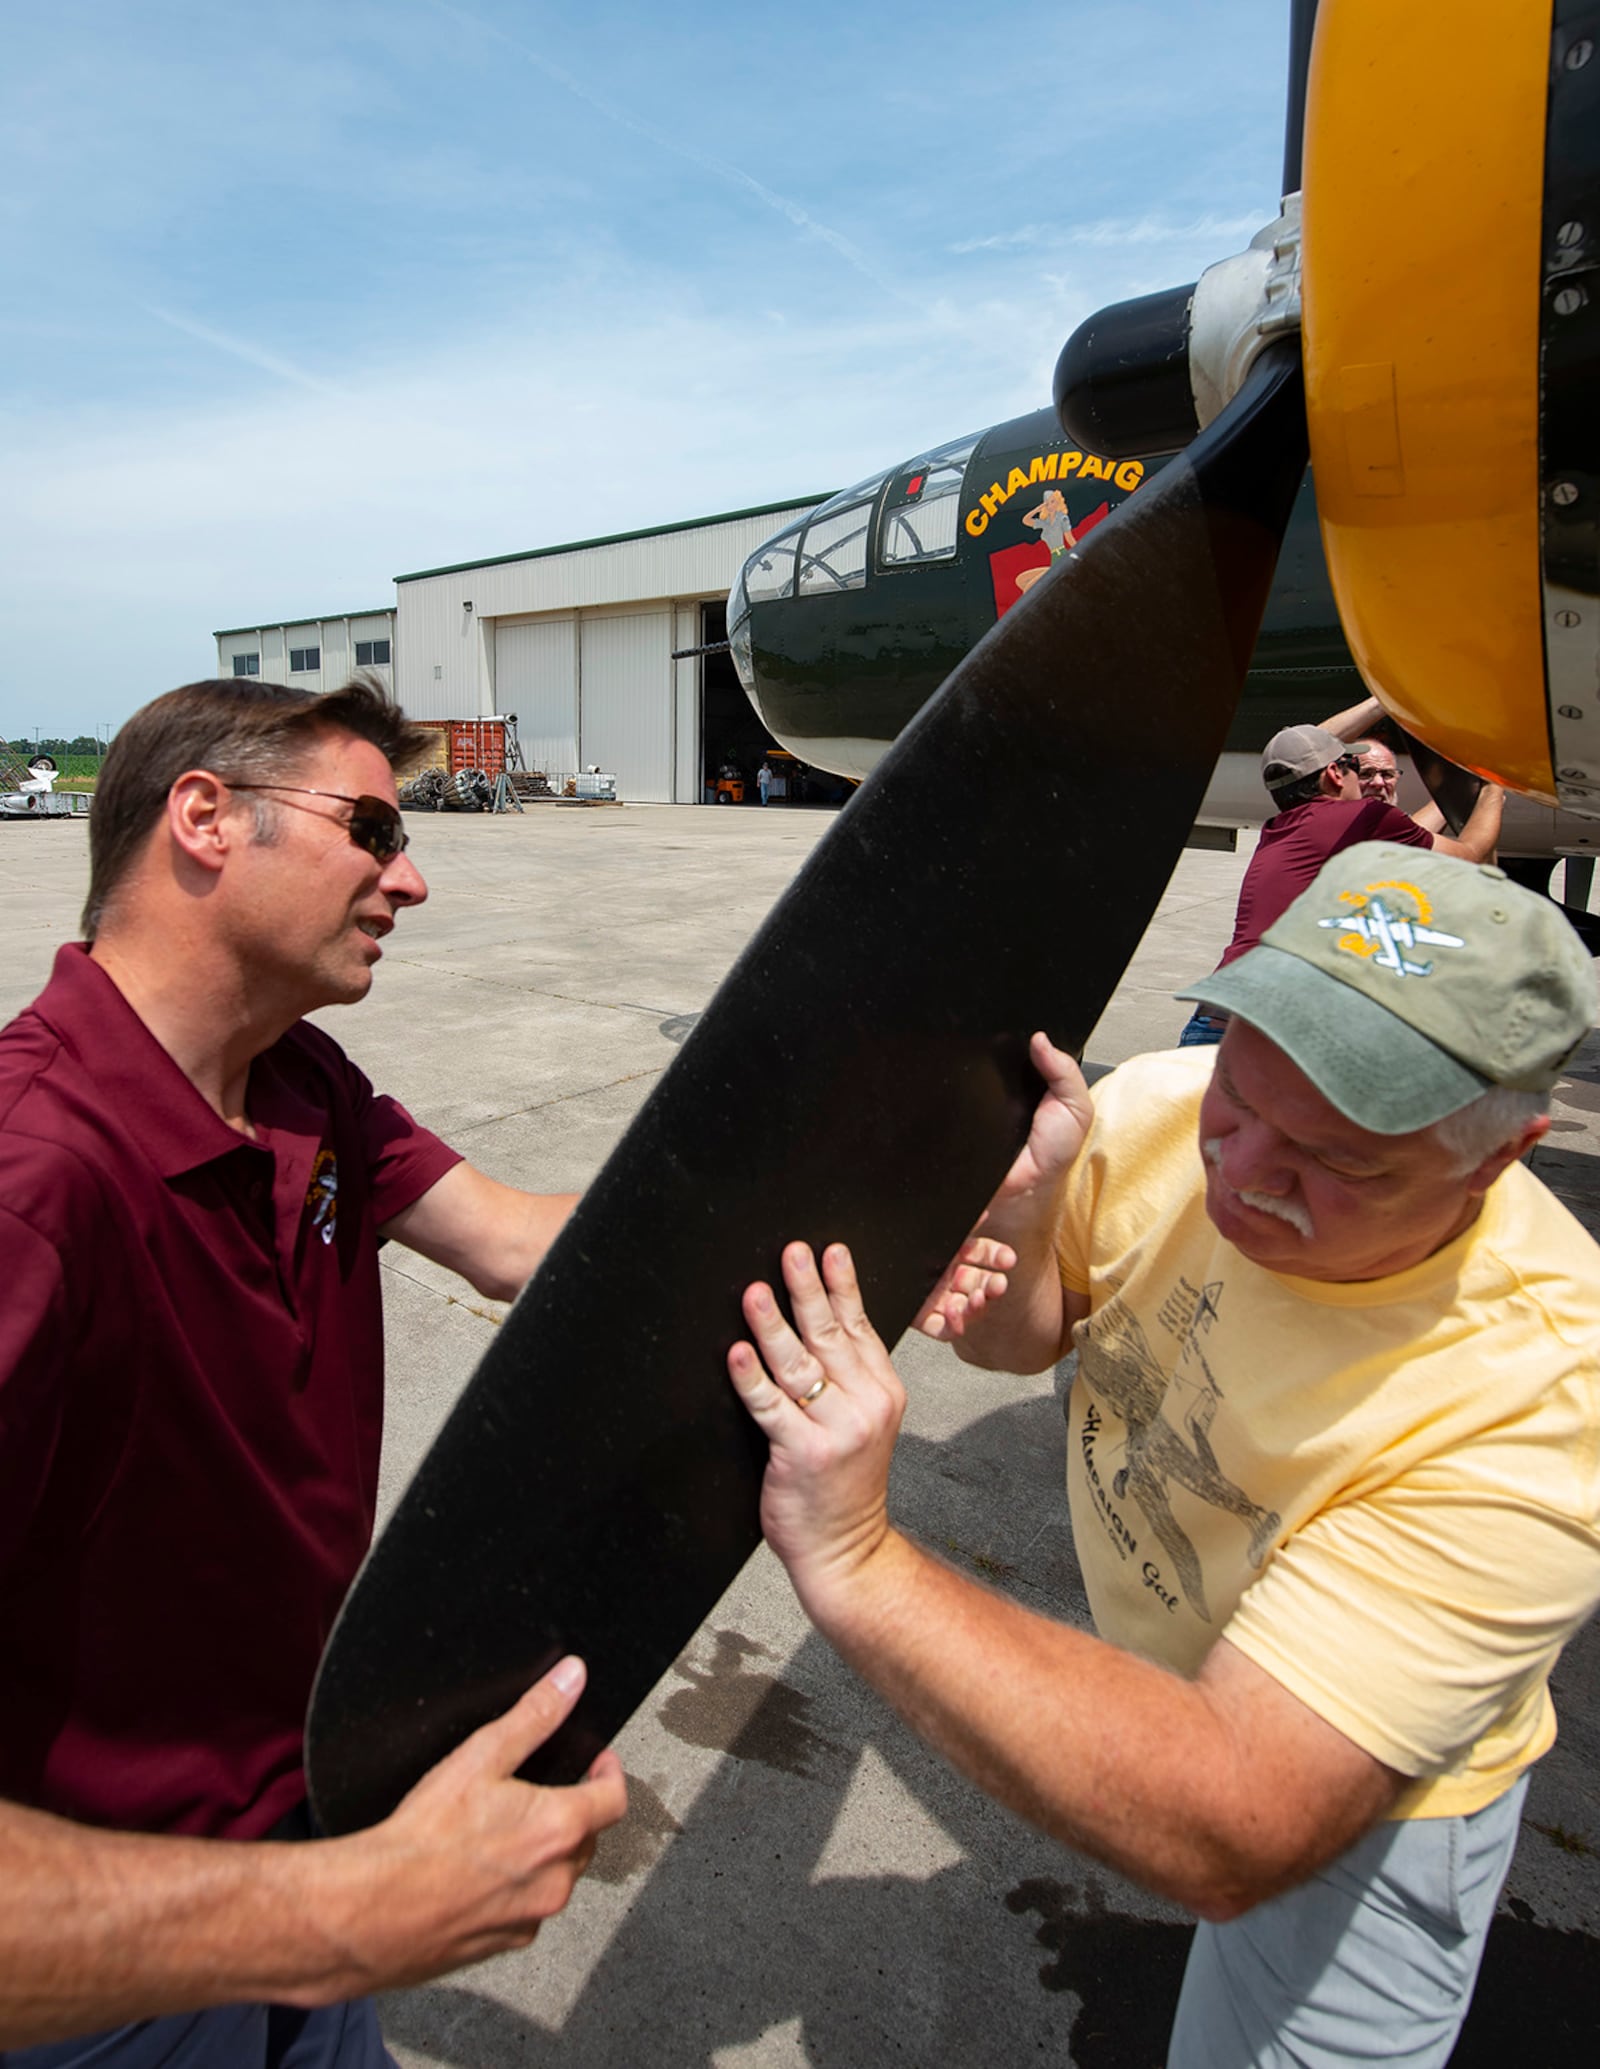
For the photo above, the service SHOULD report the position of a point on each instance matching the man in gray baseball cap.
(1333, 1460)
(1315, 783)
(1301, 751)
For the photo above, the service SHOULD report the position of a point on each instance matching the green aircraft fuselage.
(846, 624)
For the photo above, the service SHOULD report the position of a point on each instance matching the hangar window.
(372, 653)
(833, 553)
(304, 660)
(920, 511)
(247, 664)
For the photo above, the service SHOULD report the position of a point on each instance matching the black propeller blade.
(596, 1488)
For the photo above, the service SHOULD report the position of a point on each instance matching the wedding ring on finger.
(805, 1400)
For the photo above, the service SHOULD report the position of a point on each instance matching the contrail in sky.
(1115, 232)
(718, 168)
(241, 348)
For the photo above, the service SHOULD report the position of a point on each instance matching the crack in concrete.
(561, 1099)
(534, 991)
(441, 1293)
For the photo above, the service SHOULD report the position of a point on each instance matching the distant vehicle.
(34, 796)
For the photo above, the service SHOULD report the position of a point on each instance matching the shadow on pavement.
(767, 1906)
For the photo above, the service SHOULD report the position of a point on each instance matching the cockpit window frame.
(782, 546)
(950, 461)
(854, 575)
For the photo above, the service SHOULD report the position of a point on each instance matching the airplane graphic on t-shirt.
(1117, 1363)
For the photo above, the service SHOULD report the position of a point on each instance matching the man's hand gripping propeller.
(825, 1391)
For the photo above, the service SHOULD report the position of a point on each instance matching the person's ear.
(202, 819)
(1508, 1153)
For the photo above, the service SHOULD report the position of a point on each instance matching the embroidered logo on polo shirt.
(1383, 930)
(322, 1195)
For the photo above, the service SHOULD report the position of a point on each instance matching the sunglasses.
(1350, 763)
(373, 825)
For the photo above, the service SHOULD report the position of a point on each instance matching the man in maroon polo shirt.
(1321, 808)
(193, 1187)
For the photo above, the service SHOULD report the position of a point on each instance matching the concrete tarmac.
(798, 1881)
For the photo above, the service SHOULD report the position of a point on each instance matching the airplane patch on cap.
(1382, 932)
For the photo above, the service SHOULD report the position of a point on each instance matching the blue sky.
(302, 296)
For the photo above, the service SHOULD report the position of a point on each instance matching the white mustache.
(1264, 1203)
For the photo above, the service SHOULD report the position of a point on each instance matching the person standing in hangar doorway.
(194, 1184)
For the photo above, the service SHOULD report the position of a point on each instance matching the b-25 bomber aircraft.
(843, 625)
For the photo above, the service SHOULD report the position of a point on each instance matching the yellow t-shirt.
(1387, 1494)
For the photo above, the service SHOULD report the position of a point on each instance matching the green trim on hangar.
(382, 610)
(654, 531)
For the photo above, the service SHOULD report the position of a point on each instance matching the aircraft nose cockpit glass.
(922, 506)
(833, 553)
(768, 573)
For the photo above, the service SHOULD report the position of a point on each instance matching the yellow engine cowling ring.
(1433, 260)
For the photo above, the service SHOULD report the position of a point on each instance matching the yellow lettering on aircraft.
(1050, 467)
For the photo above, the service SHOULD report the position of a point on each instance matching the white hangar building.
(576, 640)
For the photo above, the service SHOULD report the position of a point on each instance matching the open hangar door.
(731, 735)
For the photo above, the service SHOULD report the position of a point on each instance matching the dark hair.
(242, 730)
(1300, 792)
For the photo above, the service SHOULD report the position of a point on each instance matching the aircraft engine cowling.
(1447, 284)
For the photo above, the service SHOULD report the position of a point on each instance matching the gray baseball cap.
(1298, 751)
(1405, 983)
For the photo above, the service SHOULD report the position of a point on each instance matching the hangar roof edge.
(654, 531)
(379, 610)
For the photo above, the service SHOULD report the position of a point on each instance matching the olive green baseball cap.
(1405, 983)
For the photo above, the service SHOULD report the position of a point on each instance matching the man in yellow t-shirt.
(1334, 1460)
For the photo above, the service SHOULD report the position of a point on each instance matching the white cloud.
(1226, 233)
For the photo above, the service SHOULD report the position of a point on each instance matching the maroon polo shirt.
(1294, 845)
(191, 1391)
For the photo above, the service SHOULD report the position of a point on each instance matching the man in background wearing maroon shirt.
(1320, 808)
(1361, 728)
(193, 1187)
